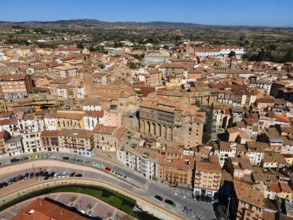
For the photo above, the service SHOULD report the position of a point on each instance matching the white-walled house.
(31, 142)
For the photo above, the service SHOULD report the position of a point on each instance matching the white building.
(224, 150)
(90, 105)
(80, 92)
(30, 123)
(31, 142)
(92, 118)
(222, 51)
(14, 146)
(140, 159)
(62, 92)
(50, 122)
(255, 152)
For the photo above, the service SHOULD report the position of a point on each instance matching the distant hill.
(92, 23)
(100, 24)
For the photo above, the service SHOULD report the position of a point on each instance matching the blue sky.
(218, 12)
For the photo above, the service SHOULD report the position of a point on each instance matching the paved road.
(180, 196)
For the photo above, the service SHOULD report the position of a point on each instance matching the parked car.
(170, 202)
(72, 174)
(159, 197)
(31, 175)
(14, 160)
(26, 175)
(78, 175)
(198, 198)
(19, 177)
(65, 158)
(55, 175)
(24, 158)
(108, 169)
(94, 164)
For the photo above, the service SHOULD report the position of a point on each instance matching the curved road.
(151, 188)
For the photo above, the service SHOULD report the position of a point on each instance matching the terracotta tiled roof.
(282, 118)
(41, 209)
(97, 114)
(211, 165)
(246, 193)
(186, 162)
(76, 133)
(104, 129)
(49, 133)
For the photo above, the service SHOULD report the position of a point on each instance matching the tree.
(209, 120)
(232, 54)
(132, 65)
(288, 56)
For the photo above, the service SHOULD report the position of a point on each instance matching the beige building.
(15, 86)
(65, 120)
(76, 141)
(162, 117)
(207, 176)
(177, 171)
(49, 140)
(247, 202)
(108, 138)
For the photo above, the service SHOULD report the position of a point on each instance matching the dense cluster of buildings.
(155, 117)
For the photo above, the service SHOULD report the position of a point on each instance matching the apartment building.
(140, 159)
(92, 118)
(4, 135)
(31, 122)
(49, 140)
(64, 120)
(76, 141)
(108, 138)
(224, 150)
(13, 146)
(177, 171)
(31, 142)
(247, 202)
(207, 176)
(15, 86)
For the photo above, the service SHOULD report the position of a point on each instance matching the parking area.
(26, 176)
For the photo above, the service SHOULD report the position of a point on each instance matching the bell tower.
(88, 82)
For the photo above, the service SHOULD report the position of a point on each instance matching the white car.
(55, 175)
(64, 174)
(94, 164)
